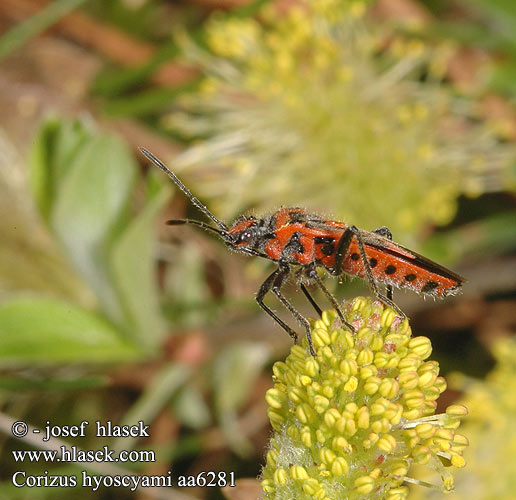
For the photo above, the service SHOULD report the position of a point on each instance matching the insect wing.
(415, 271)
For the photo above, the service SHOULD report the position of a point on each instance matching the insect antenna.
(179, 222)
(223, 228)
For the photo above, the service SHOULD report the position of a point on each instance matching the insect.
(294, 238)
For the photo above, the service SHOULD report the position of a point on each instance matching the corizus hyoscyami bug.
(294, 238)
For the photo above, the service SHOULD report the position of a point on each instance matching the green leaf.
(234, 372)
(47, 331)
(190, 407)
(113, 82)
(149, 101)
(133, 270)
(55, 146)
(37, 23)
(91, 206)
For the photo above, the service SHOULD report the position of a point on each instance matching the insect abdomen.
(419, 275)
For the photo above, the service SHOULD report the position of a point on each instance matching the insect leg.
(318, 310)
(312, 274)
(264, 289)
(283, 272)
(369, 274)
(386, 232)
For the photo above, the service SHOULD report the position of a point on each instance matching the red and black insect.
(294, 238)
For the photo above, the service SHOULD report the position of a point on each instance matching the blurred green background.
(391, 112)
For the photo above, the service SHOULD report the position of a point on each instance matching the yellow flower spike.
(276, 418)
(351, 407)
(320, 337)
(297, 395)
(379, 406)
(372, 385)
(298, 472)
(444, 434)
(272, 458)
(306, 436)
(293, 432)
(350, 427)
(443, 444)
(458, 461)
(314, 388)
(377, 426)
(268, 486)
(311, 486)
(362, 418)
(348, 414)
(412, 414)
(460, 442)
(331, 417)
(413, 399)
(426, 380)
(431, 393)
(389, 388)
(320, 436)
(341, 444)
(297, 366)
(275, 398)
(399, 493)
(321, 404)
(400, 468)
(421, 346)
(365, 357)
(297, 353)
(326, 353)
(280, 477)
(387, 317)
(456, 411)
(364, 485)
(375, 473)
(328, 317)
(422, 455)
(311, 367)
(363, 335)
(279, 369)
(339, 466)
(409, 364)
(352, 354)
(425, 431)
(319, 323)
(381, 359)
(387, 443)
(394, 413)
(327, 456)
(328, 391)
(452, 425)
(377, 343)
(305, 414)
(351, 385)
(368, 371)
(440, 384)
(348, 367)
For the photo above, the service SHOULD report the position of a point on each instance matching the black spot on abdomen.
(390, 269)
(328, 249)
